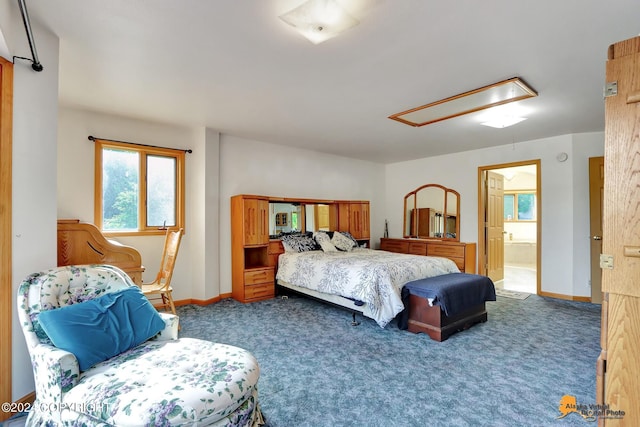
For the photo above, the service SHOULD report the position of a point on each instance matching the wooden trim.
(286, 199)
(25, 402)
(564, 297)
(144, 151)
(481, 225)
(6, 132)
(529, 92)
(297, 199)
(201, 302)
(97, 186)
(29, 398)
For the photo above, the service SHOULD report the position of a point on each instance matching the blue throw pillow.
(98, 329)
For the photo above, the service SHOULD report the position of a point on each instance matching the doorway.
(509, 217)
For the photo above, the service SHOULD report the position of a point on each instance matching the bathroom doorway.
(509, 225)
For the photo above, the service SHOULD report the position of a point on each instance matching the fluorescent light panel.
(500, 93)
(503, 122)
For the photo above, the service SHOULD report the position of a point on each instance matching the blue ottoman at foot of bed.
(458, 303)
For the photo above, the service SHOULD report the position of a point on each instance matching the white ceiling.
(235, 67)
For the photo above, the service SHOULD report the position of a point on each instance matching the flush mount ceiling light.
(319, 20)
(500, 93)
(503, 121)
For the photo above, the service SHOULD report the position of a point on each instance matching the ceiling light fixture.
(500, 93)
(503, 121)
(319, 20)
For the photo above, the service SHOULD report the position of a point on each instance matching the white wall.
(35, 119)
(224, 165)
(219, 167)
(564, 196)
(584, 146)
(254, 167)
(8, 19)
(196, 273)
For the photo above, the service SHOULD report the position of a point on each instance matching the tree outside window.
(520, 206)
(120, 177)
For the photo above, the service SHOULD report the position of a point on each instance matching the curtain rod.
(93, 138)
(35, 63)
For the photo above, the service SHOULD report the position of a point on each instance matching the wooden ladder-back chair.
(160, 289)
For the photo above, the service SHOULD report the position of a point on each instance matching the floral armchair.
(164, 381)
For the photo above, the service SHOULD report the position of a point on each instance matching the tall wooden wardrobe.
(618, 370)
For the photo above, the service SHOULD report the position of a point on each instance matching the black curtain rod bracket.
(93, 138)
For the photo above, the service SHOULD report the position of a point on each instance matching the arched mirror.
(432, 212)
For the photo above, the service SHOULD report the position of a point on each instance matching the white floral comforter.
(371, 276)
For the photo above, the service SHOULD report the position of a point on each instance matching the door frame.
(6, 311)
(482, 243)
(595, 219)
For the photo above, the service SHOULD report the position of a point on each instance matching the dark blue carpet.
(318, 370)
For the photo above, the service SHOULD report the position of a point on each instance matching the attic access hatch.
(500, 93)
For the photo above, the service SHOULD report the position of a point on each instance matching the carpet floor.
(318, 370)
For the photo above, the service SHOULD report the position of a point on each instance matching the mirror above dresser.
(432, 211)
(431, 227)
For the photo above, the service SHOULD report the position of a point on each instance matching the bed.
(362, 280)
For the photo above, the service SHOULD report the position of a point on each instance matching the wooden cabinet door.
(621, 232)
(355, 220)
(359, 226)
(344, 217)
(621, 227)
(366, 221)
(256, 222)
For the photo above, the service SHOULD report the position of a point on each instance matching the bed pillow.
(342, 242)
(355, 242)
(299, 243)
(324, 241)
(98, 329)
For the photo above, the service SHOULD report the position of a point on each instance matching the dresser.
(463, 254)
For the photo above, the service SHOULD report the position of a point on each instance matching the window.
(520, 206)
(139, 189)
(281, 219)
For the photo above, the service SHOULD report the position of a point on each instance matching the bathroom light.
(468, 102)
(319, 20)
